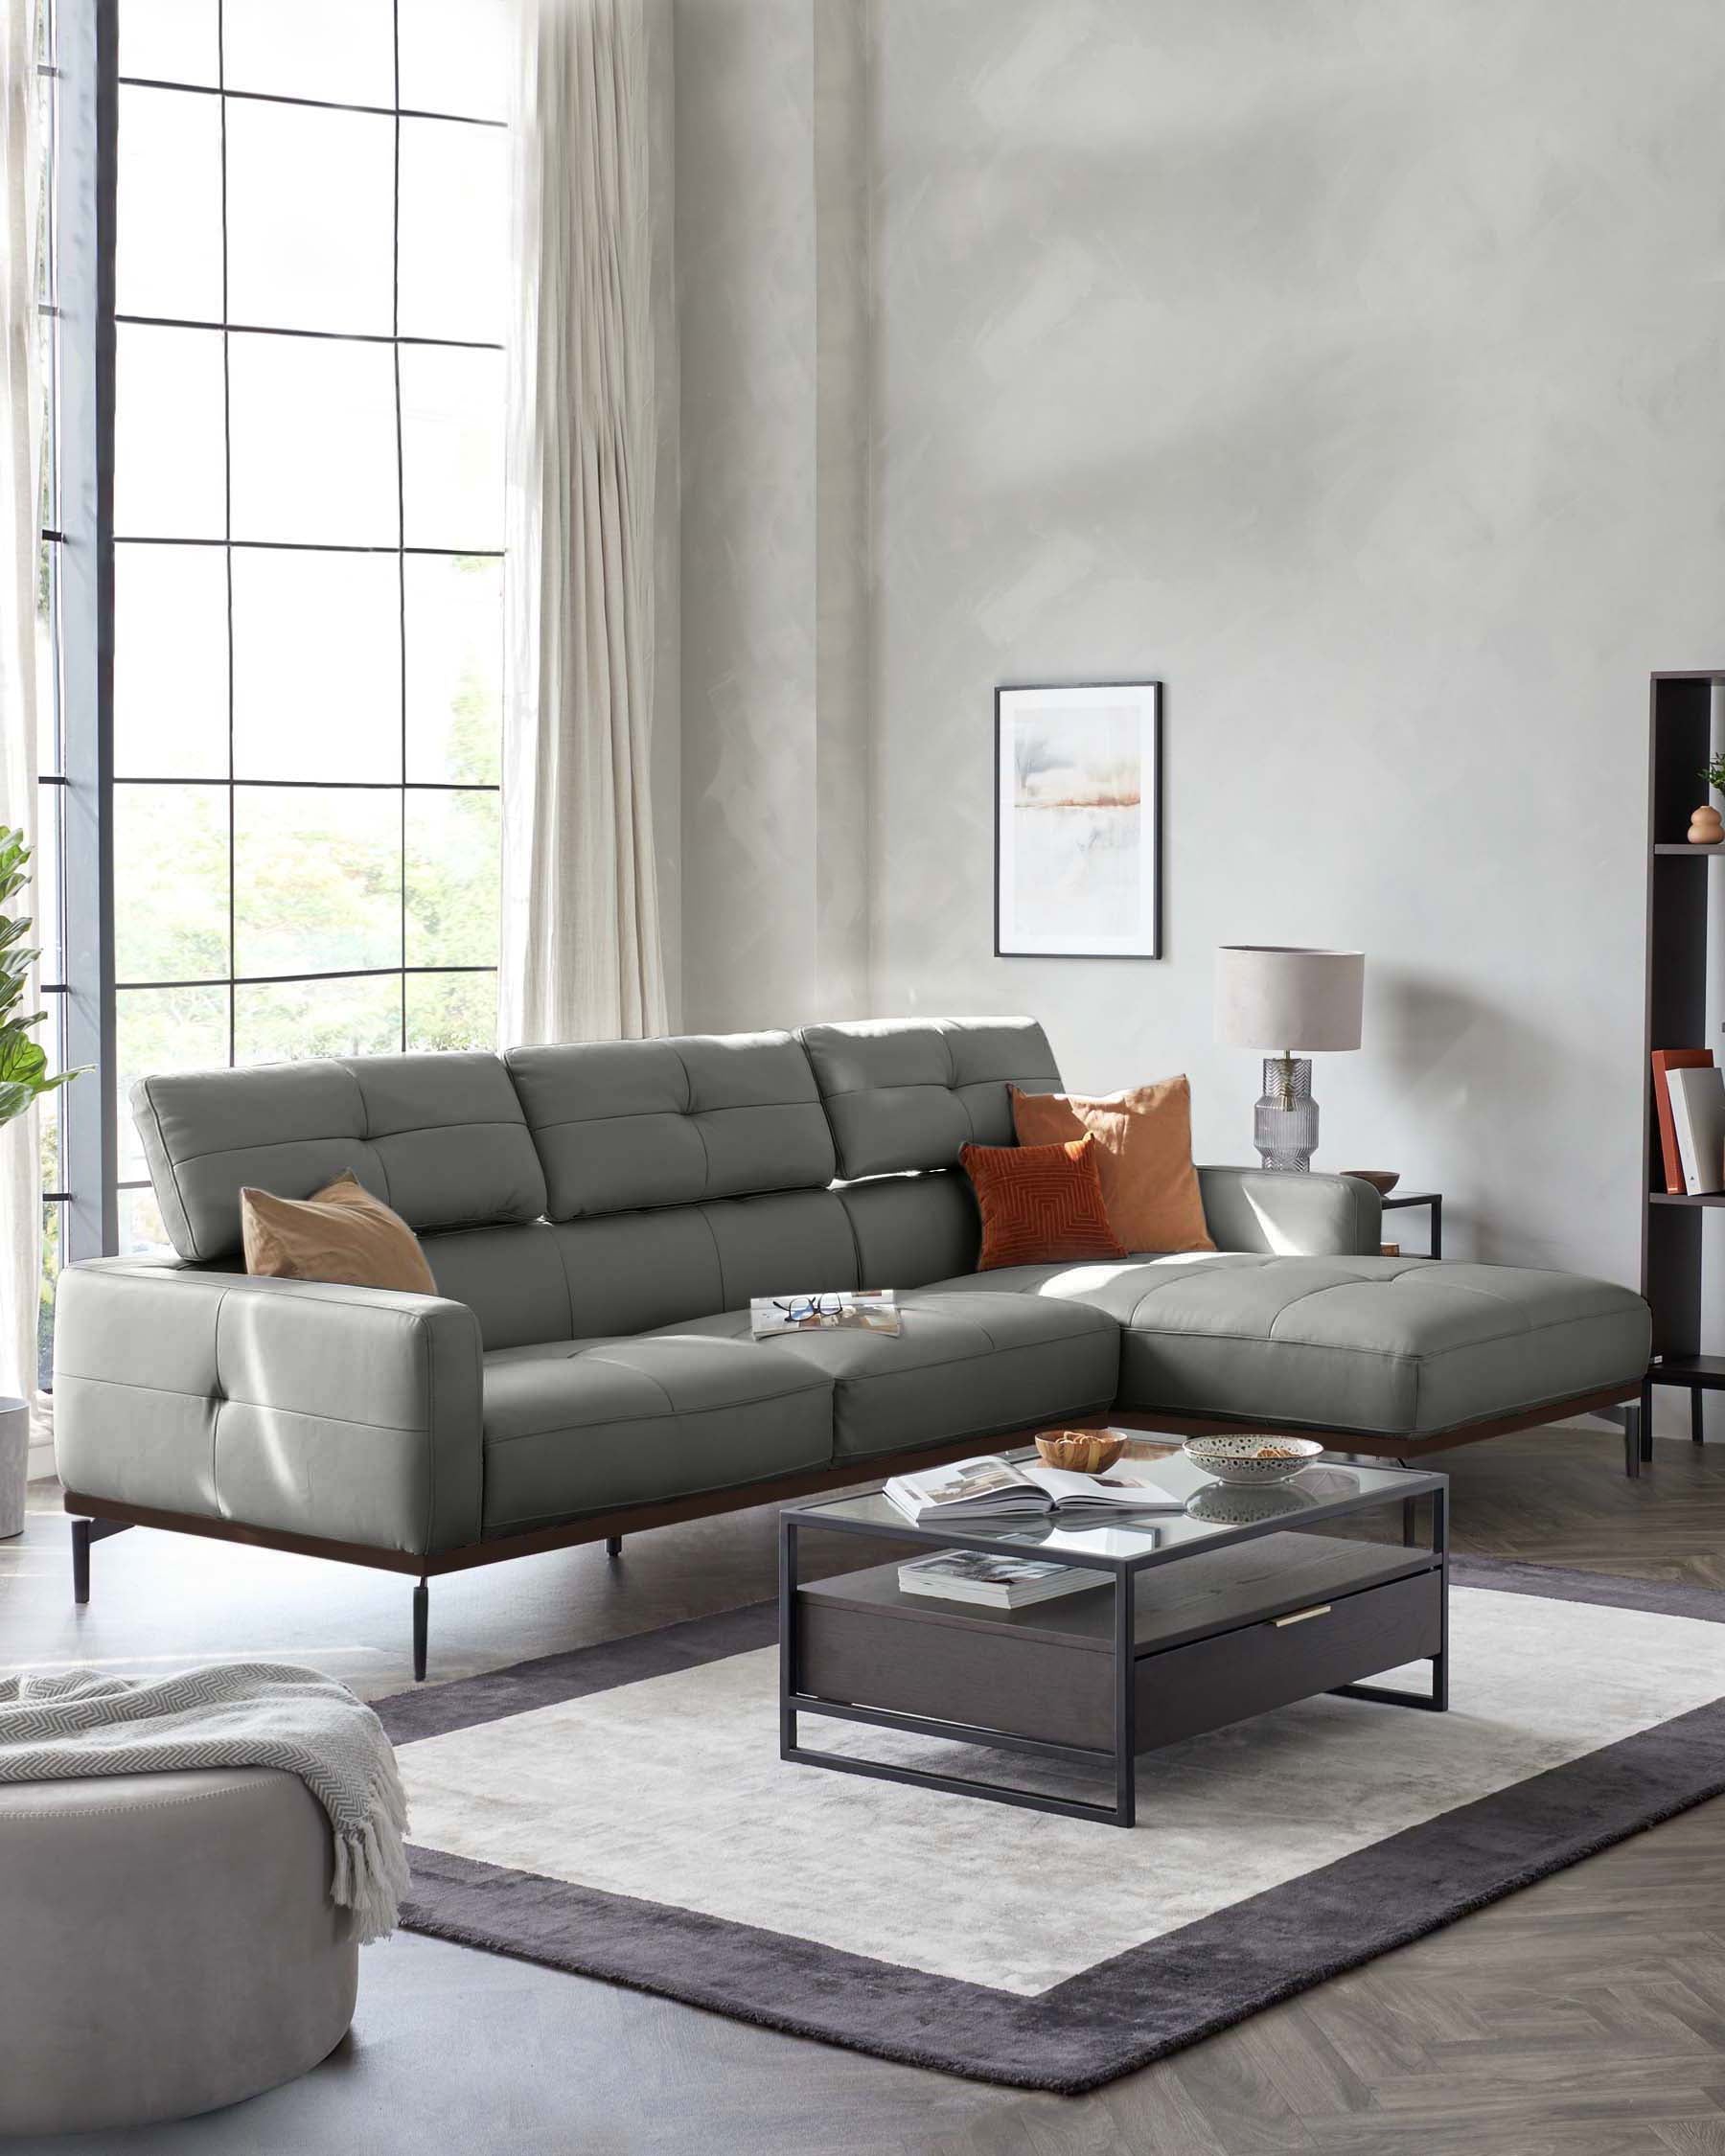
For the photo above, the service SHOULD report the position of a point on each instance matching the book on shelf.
(1698, 1111)
(993, 1488)
(1664, 1062)
(993, 1583)
(863, 1310)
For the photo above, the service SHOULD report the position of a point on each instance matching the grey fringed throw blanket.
(234, 1714)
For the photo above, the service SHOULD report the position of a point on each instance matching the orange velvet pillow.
(1143, 1154)
(1039, 1203)
(341, 1232)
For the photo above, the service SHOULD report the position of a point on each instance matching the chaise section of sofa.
(598, 1216)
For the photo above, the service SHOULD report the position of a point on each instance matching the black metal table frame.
(1122, 1755)
(1433, 1202)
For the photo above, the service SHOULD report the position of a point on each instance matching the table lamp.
(1276, 995)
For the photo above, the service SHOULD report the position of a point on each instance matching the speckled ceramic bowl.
(1246, 1462)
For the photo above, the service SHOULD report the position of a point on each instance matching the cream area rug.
(622, 1811)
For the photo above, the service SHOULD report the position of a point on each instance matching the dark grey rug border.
(1126, 2012)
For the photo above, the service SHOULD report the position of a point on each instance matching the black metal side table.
(1433, 1199)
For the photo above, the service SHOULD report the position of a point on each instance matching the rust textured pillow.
(1143, 1154)
(1039, 1203)
(341, 1232)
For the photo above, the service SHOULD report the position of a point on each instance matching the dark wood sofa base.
(1637, 1435)
(94, 1517)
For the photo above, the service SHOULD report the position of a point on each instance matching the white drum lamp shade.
(1275, 995)
(1285, 997)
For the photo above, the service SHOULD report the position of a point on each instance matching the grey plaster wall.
(1353, 366)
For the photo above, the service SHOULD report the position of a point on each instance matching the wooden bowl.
(1382, 1179)
(1081, 1452)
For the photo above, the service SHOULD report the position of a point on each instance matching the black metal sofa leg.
(421, 1625)
(613, 1545)
(84, 1533)
(1638, 1431)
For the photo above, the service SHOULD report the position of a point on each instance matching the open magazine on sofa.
(845, 1310)
(993, 1488)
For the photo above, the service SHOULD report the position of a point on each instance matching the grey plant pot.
(15, 1464)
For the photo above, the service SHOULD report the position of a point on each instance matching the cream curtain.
(581, 956)
(20, 1184)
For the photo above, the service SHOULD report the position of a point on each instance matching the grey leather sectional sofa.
(597, 1217)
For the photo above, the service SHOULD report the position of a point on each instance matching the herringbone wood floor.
(1583, 2017)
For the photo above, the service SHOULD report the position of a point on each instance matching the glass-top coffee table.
(1247, 1600)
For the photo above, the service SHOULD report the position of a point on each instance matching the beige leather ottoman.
(167, 1945)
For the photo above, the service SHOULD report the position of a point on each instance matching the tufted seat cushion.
(1395, 1346)
(585, 1425)
(971, 1364)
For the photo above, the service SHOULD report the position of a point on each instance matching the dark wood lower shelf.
(1210, 1590)
(1706, 1373)
(1209, 1648)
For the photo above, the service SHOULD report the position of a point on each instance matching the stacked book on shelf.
(1688, 1100)
(993, 1583)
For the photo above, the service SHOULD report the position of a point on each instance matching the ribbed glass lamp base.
(1284, 1125)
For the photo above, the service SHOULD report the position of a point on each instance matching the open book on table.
(993, 1488)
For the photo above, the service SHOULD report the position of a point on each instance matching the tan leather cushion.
(341, 1232)
(1143, 1151)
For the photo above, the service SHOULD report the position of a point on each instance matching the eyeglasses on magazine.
(808, 1310)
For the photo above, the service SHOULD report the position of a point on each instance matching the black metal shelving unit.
(1678, 875)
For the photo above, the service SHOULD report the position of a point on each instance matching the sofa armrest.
(1291, 1215)
(299, 1405)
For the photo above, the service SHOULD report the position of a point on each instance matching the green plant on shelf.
(24, 1074)
(1714, 772)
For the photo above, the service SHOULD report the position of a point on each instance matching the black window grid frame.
(83, 789)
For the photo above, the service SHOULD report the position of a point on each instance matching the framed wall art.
(1078, 821)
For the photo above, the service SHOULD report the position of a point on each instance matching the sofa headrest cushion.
(908, 1093)
(440, 1139)
(626, 1124)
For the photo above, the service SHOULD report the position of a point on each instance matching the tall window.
(308, 508)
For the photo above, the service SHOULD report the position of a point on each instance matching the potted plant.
(1705, 826)
(24, 1078)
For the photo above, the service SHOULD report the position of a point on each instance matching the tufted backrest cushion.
(680, 1176)
(625, 1124)
(908, 1093)
(914, 1228)
(629, 1272)
(440, 1137)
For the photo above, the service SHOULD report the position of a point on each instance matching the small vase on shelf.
(1706, 828)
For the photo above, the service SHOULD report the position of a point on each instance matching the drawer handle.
(1299, 1617)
